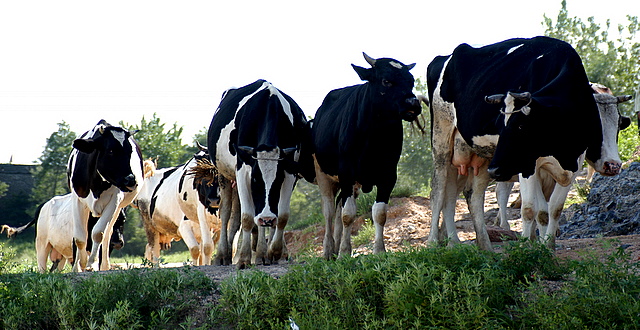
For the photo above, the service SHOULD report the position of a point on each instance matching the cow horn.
(201, 147)
(248, 150)
(411, 66)
(524, 96)
(369, 59)
(494, 99)
(624, 98)
(287, 151)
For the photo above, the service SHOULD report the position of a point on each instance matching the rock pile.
(612, 207)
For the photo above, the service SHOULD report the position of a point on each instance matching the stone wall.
(14, 204)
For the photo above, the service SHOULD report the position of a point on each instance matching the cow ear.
(624, 98)
(134, 132)
(624, 122)
(364, 74)
(85, 145)
(411, 66)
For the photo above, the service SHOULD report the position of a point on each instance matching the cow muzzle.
(266, 221)
(128, 183)
(611, 168)
(413, 109)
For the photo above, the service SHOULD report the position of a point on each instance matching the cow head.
(516, 144)
(270, 169)
(391, 86)
(115, 154)
(205, 180)
(609, 162)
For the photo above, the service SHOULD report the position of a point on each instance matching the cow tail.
(12, 231)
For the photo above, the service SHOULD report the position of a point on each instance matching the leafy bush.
(137, 298)
(455, 287)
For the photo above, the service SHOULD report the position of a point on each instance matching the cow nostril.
(266, 222)
(612, 168)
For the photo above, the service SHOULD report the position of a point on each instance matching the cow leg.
(80, 218)
(224, 245)
(348, 217)
(480, 183)
(43, 250)
(234, 224)
(99, 234)
(337, 229)
(277, 245)
(503, 189)
(328, 189)
(443, 201)
(152, 251)
(260, 244)
(531, 193)
(186, 232)
(105, 262)
(556, 205)
(206, 243)
(244, 259)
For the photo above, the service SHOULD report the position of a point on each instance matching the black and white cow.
(181, 203)
(255, 139)
(105, 175)
(54, 232)
(357, 136)
(499, 108)
(544, 193)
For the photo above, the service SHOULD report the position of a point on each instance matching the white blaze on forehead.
(285, 105)
(396, 65)
(485, 140)
(268, 164)
(514, 48)
(609, 117)
(119, 136)
(509, 102)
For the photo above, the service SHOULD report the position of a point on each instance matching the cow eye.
(386, 83)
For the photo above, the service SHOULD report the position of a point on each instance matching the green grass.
(460, 287)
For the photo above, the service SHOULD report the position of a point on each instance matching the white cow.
(54, 232)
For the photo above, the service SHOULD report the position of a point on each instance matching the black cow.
(105, 175)
(255, 139)
(498, 109)
(357, 136)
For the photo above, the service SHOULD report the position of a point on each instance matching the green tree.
(609, 58)
(50, 177)
(3, 188)
(157, 142)
(416, 165)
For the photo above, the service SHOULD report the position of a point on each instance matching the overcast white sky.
(82, 61)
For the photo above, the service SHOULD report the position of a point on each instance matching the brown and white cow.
(176, 203)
